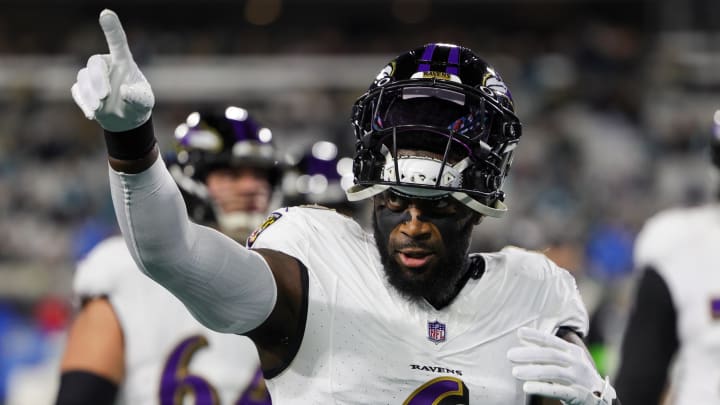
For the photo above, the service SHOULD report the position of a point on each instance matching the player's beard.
(444, 279)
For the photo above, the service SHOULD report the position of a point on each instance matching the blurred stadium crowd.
(617, 99)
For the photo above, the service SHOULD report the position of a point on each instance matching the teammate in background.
(671, 345)
(226, 166)
(132, 341)
(321, 177)
(339, 316)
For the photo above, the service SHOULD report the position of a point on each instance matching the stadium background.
(617, 99)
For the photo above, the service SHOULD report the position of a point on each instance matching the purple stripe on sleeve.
(453, 61)
(427, 55)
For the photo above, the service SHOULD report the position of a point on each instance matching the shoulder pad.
(104, 269)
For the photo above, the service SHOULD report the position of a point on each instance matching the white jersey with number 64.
(170, 358)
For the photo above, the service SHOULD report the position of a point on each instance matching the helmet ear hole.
(487, 91)
(494, 182)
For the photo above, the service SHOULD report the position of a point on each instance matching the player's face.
(239, 189)
(423, 244)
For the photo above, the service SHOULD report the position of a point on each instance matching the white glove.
(555, 368)
(111, 89)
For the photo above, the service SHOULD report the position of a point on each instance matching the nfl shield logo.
(436, 332)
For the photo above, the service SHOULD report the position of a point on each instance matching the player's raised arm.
(227, 287)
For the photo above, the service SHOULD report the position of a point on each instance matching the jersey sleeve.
(649, 342)
(656, 238)
(565, 305)
(104, 270)
(553, 294)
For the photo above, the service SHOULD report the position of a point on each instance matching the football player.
(338, 315)
(132, 341)
(671, 345)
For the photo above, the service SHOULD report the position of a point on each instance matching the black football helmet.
(321, 177)
(445, 100)
(215, 139)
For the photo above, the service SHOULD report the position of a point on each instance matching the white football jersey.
(683, 246)
(366, 344)
(170, 358)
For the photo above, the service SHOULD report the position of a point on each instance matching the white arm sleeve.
(225, 286)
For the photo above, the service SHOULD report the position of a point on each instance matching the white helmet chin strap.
(423, 170)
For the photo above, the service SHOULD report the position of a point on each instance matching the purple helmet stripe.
(453, 61)
(427, 55)
(327, 168)
(245, 130)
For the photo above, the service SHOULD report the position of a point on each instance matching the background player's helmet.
(715, 140)
(320, 176)
(215, 139)
(443, 99)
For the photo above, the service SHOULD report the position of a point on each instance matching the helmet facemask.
(433, 138)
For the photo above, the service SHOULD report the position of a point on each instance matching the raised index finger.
(115, 36)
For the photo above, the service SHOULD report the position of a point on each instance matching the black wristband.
(133, 144)
(83, 387)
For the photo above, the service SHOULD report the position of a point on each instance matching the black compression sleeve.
(649, 342)
(82, 388)
(133, 144)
